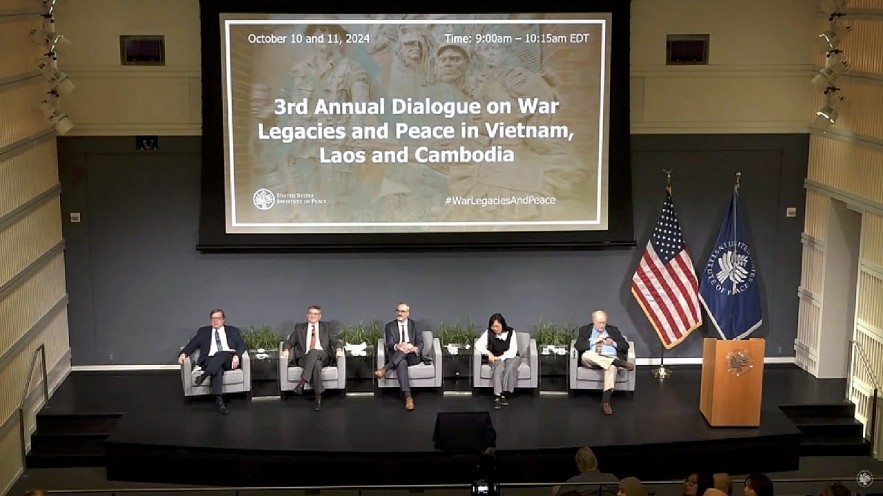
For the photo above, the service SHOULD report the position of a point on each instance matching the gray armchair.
(420, 375)
(235, 381)
(333, 376)
(528, 370)
(582, 377)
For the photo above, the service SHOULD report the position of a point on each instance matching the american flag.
(665, 283)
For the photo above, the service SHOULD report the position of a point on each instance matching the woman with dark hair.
(758, 485)
(697, 483)
(499, 346)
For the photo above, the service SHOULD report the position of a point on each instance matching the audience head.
(586, 460)
(724, 482)
(836, 489)
(36, 492)
(697, 483)
(713, 491)
(758, 485)
(631, 486)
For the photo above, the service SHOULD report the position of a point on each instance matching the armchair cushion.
(527, 370)
(333, 376)
(420, 375)
(582, 377)
(235, 381)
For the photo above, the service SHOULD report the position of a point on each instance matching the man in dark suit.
(220, 348)
(404, 344)
(602, 345)
(310, 346)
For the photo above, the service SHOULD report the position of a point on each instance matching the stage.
(658, 433)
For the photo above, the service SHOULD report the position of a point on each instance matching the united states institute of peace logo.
(263, 199)
(730, 269)
(739, 362)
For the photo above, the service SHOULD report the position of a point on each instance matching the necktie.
(218, 340)
(402, 329)
(312, 337)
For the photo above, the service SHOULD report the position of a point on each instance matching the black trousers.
(215, 366)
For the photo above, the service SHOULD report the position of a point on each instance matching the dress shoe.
(318, 404)
(201, 378)
(498, 403)
(219, 403)
(623, 364)
(607, 409)
(299, 389)
(504, 401)
(409, 404)
(380, 373)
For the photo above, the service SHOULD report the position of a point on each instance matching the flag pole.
(661, 373)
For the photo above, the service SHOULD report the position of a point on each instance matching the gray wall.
(138, 288)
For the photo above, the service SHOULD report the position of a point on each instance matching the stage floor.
(658, 433)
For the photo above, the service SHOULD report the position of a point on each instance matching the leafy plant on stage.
(553, 333)
(361, 333)
(262, 337)
(456, 334)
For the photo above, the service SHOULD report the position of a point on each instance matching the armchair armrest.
(476, 364)
(381, 353)
(283, 365)
(437, 361)
(186, 370)
(341, 370)
(245, 365)
(574, 362)
(533, 356)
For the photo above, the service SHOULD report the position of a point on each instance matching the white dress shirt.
(318, 343)
(214, 347)
(481, 344)
(403, 332)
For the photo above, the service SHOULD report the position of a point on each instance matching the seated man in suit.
(403, 347)
(603, 346)
(220, 348)
(310, 346)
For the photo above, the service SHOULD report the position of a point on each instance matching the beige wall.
(753, 84)
(846, 167)
(33, 299)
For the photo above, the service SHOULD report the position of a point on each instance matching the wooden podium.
(732, 382)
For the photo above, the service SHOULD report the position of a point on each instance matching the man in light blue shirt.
(602, 345)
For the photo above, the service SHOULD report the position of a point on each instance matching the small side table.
(554, 372)
(360, 372)
(457, 369)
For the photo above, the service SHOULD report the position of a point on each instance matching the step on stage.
(657, 433)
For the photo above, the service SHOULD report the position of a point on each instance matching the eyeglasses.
(217, 318)
(402, 311)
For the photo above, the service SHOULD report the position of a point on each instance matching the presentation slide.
(415, 123)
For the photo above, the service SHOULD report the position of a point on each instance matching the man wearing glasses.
(403, 347)
(309, 346)
(220, 348)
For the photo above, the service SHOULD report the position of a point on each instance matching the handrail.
(246, 490)
(24, 397)
(861, 354)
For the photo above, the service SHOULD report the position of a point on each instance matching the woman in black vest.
(500, 346)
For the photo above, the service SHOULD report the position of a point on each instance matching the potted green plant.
(456, 337)
(553, 338)
(262, 343)
(360, 337)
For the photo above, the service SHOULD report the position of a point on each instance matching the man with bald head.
(601, 345)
